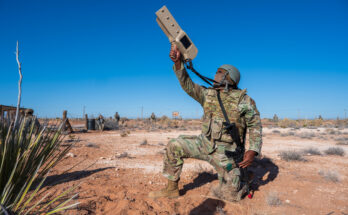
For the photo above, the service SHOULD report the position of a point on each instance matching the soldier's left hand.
(247, 159)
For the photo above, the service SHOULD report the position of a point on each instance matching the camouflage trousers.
(199, 147)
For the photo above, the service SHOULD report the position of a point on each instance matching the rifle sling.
(233, 133)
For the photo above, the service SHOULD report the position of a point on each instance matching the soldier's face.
(220, 73)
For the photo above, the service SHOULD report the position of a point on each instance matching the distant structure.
(9, 112)
(275, 118)
(320, 117)
(175, 114)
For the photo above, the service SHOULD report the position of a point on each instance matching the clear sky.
(112, 56)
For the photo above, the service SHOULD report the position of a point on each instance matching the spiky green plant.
(27, 154)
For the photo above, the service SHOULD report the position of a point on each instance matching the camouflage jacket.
(240, 108)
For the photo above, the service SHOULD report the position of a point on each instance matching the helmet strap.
(226, 87)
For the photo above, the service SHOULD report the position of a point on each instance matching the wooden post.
(86, 122)
(67, 125)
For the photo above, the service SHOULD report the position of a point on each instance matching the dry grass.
(124, 155)
(291, 156)
(332, 176)
(335, 151)
(144, 142)
(342, 143)
(312, 151)
(92, 145)
(273, 199)
(307, 135)
(124, 133)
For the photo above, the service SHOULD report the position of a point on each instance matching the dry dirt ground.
(114, 175)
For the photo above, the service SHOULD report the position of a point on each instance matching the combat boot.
(171, 191)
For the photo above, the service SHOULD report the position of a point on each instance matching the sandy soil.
(112, 182)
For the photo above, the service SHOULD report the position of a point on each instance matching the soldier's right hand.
(174, 54)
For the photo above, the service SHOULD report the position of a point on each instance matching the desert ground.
(115, 170)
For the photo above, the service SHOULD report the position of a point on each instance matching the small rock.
(101, 158)
(117, 168)
(70, 155)
(287, 201)
(295, 191)
(150, 182)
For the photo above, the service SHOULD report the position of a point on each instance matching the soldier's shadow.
(209, 207)
(202, 179)
(264, 171)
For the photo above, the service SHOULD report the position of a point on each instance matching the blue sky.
(112, 56)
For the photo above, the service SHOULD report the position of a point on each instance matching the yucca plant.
(27, 154)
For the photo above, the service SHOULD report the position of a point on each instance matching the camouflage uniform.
(215, 144)
(100, 122)
(117, 118)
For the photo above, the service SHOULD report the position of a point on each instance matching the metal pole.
(84, 111)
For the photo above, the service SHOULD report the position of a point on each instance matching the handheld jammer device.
(175, 34)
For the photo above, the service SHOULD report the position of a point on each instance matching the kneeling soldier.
(228, 114)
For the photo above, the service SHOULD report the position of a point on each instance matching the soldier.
(100, 121)
(153, 119)
(117, 118)
(222, 141)
(29, 118)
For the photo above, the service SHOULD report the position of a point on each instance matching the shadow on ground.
(264, 171)
(202, 179)
(209, 207)
(71, 176)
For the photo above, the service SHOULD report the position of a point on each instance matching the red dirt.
(111, 184)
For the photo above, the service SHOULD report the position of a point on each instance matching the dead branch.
(19, 84)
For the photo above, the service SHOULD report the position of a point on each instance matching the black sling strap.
(231, 128)
(207, 80)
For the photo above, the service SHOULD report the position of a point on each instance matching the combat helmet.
(233, 72)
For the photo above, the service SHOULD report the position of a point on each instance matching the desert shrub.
(312, 151)
(332, 176)
(276, 132)
(335, 151)
(342, 143)
(330, 131)
(291, 156)
(287, 123)
(92, 145)
(315, 123)
(124, 133)
(291, 133)
(273, 199)
(28, 153)
(144, 142)
(123, 155)
(307, 135)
